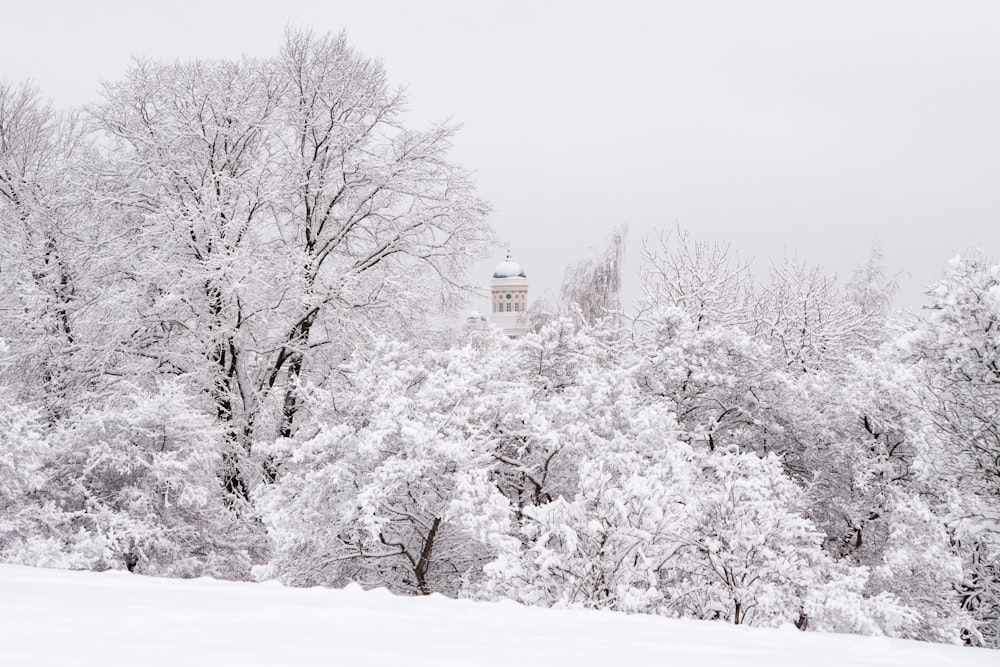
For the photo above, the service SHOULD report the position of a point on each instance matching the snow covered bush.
(24, 454)
(678, 531)
(397, 492)
(706, 374)
(134, 486)
(749, 555)
(954, 354)
(603, 549)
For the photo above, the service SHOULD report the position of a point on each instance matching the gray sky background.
(813, 127)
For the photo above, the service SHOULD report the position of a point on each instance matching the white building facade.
(509, 298)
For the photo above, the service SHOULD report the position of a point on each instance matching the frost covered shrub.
(133, 487)
(953, 351)
(923, 569)
(602, 549)
(37, 526)
(678, 534)
(839, 603)
(396, 492)
(687, 534)
(381, 510)
(24, 455)
(748, 556)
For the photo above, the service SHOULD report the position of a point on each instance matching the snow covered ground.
(52, 617)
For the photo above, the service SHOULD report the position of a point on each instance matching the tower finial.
(508, 250)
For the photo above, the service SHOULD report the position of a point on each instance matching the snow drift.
(53, 617)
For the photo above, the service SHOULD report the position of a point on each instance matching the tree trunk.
(423, 563)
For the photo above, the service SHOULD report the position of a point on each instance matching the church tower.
(510, 297)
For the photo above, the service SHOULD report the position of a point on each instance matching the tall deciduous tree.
(55, 269)
(292, 212)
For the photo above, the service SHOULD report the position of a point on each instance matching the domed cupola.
(508, 269)
(510, 297)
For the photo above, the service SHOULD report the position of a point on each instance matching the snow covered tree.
(591, 287)
(601, 548)
(711, 376)
(811, 321)
(131, 486)
(922, 568)
(610, 511)
(381, 221)
(697, 277)
(396, 491)
(657, 526)
(24, 452)
(192, 146)
(58, 315)
(750, 556)
(954, 350)
(144, 473)
(693, 333)
(293, 212)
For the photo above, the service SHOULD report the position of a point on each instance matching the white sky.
(812, 126)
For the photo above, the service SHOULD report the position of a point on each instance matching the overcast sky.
(814, 127)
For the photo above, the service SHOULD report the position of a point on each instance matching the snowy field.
(51, 617)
